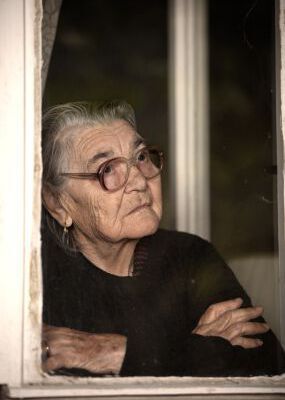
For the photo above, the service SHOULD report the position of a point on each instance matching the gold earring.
(65, 228)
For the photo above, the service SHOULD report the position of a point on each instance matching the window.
(20, 243)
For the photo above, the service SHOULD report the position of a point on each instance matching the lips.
(139, 208)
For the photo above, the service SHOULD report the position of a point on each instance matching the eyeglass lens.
(115, 173)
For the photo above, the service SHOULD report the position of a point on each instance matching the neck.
(114, 258)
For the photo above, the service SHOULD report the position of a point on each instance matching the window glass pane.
(242, 137)
(153, 293)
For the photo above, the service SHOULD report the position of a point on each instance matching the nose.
(136, 181)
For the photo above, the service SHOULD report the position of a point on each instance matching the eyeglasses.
(113, 174)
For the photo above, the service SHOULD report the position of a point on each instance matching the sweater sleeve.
(210, 281)
(143, 357)
(191, 276)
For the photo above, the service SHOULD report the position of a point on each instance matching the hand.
(69, 348)
(229, 321)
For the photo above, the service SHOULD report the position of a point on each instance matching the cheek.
(155, 189)
(92, 211)
(83, 208)
(95, 214)
(104, 209)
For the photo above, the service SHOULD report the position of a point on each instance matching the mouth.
(140, 208)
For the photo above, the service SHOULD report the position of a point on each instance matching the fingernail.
(259, 342)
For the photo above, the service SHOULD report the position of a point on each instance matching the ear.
(54, 206)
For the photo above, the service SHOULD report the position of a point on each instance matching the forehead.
(117, 137)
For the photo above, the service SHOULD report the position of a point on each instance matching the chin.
(140, 232)
(136, 226)
(144, 226)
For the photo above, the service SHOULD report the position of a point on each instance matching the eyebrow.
(138, 142)
(98, 156)
(106, 154)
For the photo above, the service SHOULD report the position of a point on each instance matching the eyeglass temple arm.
(81, 175)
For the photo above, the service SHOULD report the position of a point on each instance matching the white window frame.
(188, 110)
(20, 273)
(280, 143)
(20, 120)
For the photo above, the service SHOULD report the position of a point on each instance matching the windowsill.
(149, 386)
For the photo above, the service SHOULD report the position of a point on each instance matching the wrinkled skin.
(97, 353)
(229, 321)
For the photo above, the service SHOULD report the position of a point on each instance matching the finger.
(45, 326)
(65, 358)
(244, 329)
(63, 348)
(45, 330)
(49, 328)
(52, 363)
(244, 314)
(55, 331)
(59, 336)
(55, 342)
(51, 333)
(247, 343)
(203, 330)
(231, 318)
(226, 327)
(216, 310)
(57, 362)
(236, 320)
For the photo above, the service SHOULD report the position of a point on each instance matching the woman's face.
(131, 212)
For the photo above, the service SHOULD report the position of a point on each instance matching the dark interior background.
(242, 132)
(119, 49)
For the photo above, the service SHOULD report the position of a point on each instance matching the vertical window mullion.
(189, 115)
(280, 125)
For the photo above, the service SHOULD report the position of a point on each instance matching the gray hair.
(59, 126)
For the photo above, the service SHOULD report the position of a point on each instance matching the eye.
(108, 169)
(143, 156)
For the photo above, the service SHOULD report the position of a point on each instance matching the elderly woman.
(120, 295)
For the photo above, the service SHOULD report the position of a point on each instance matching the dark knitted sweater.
(177, 276)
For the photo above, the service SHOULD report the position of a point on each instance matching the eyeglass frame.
(99, 175)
